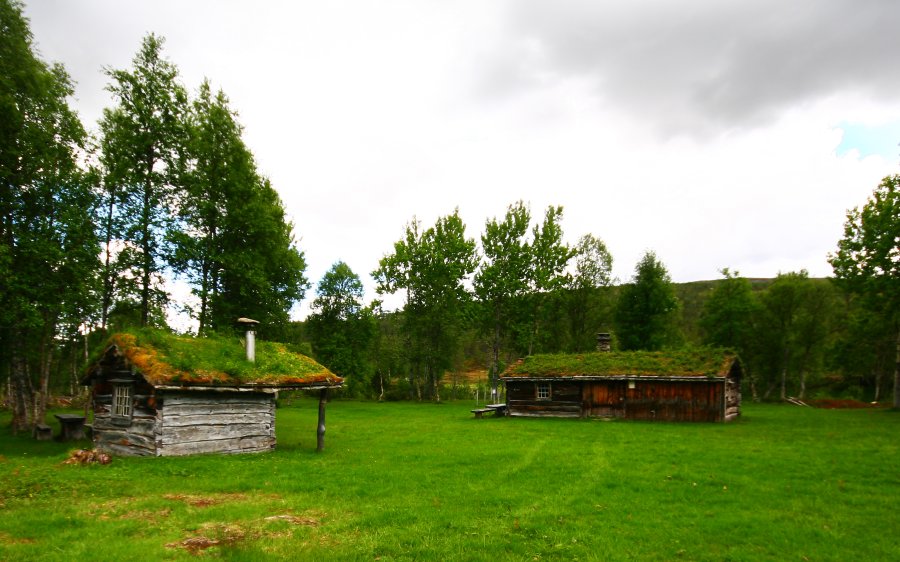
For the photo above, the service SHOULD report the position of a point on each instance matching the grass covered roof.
(696, 362)
(165, 359)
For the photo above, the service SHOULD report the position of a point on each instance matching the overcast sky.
(717, 133)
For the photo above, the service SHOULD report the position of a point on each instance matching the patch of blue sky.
(878, 140)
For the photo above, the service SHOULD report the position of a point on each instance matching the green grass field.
(404, 481)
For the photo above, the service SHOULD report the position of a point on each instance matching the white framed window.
(543, 391)
(121, 405)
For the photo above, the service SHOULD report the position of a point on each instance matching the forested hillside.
(797, 336)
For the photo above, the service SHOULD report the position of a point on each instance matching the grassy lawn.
(406, 481)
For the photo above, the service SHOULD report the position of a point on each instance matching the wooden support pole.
(320, 431)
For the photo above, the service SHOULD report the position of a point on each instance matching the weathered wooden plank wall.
(675, 400)
(137, 438)
(212, 422)
(565, 400)
(701, 400)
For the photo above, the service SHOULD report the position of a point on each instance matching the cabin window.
(122, 401)
(543, 391)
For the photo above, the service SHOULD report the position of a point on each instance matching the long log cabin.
(687, 385)
(158, 394)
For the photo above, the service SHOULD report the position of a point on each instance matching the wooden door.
(604, 399)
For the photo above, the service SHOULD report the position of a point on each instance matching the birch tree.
(47, 245)
(867, 261)
(142, 144)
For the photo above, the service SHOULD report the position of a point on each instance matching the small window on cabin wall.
(121, 406)
(543, 391)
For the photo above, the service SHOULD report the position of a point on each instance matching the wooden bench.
(479, 412)
(43, 432)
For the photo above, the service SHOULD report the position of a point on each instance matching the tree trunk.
(495, 349)
(877, 396)
(146, 216)
(897, 374)
(42, 396)
(20, 389)
(784, 372)
(754, 391)
(108, 284)
(204, 297)
(784, 383)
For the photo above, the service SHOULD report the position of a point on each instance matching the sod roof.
(698, 362)
(165, 359)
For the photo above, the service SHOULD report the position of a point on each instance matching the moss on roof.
(695, 362)
(163, 358)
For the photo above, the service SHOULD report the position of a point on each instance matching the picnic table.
(71, 426)
(498, 409)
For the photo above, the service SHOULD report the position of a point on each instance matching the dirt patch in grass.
(7, 539)
(213, 535)
(842, 403)
(147, 515)
(205, 501)
(296, 520)
(223, 535)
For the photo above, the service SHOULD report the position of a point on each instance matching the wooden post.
(320, 431)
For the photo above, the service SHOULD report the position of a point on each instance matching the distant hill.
(694, 293)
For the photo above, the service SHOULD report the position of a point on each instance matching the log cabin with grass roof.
(701, 384)
(159, 394)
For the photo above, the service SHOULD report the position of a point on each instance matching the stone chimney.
(249, 326)
(603, 341)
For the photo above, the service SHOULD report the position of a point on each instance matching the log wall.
(565, 399)
(702, 400)
(732, 399)
(216, 422)
(675, 401)
(135, 438)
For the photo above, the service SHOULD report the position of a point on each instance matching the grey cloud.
(703, 67)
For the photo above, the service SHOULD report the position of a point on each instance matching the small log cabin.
(157, 394)
(687, 385)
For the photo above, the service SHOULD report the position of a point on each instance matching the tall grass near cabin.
(408, 481)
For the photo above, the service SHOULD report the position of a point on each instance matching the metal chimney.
(604, 341)
(249, 326)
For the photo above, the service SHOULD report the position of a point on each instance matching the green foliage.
(220, 169)
(342, 330)
(407, 481)
(646, 308)
(264, 278)
(867, 262)
(547, 273)
(142, 142)
(587, 305)
(47, 246)
(519, 279)
(502, 279)
(864, 352)
(432, 267)
(728, 313)
(236, 247)
(791, 327)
